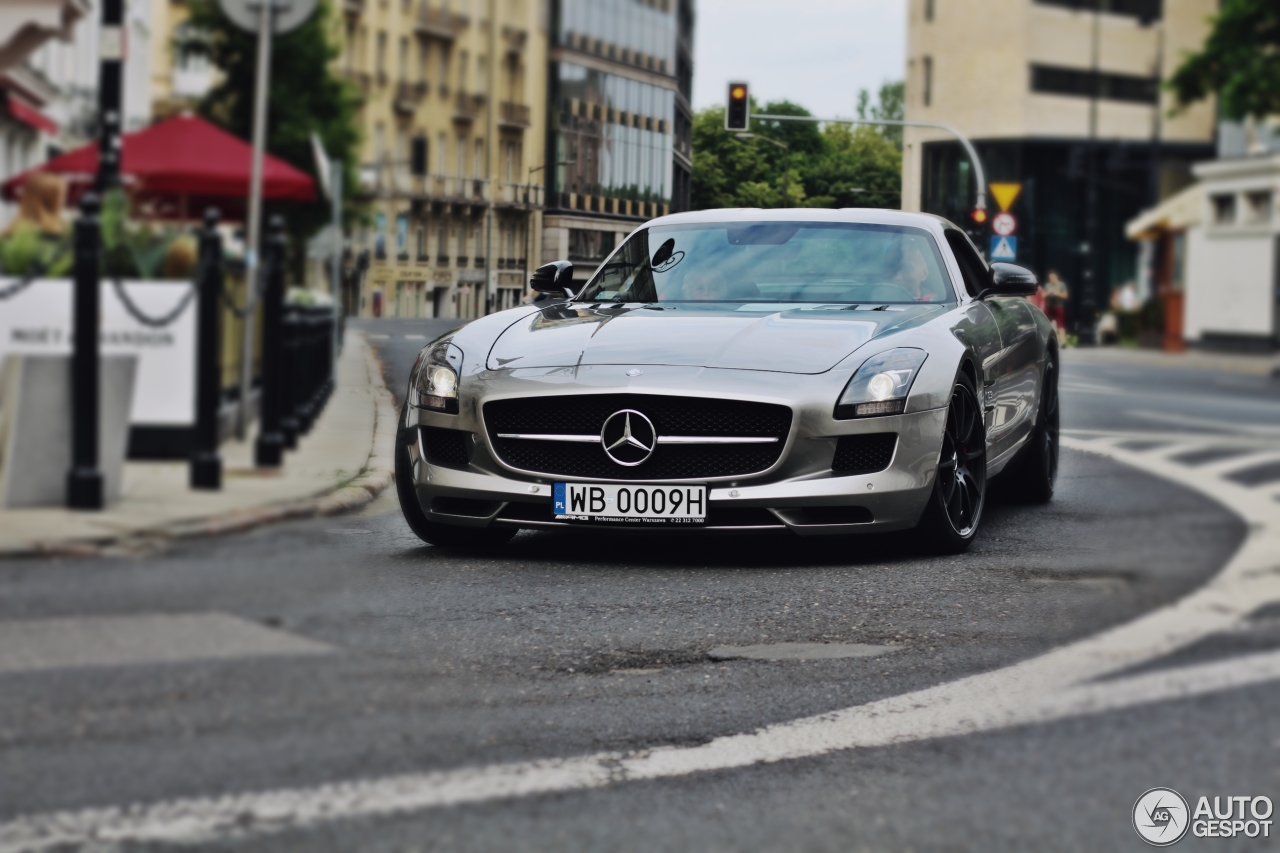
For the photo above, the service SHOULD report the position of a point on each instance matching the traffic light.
(977, 226)
(738, 115)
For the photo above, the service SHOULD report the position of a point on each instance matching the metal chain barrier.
(26, 281)
(154, 322)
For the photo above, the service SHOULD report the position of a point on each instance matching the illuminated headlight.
(435, 378)
(881, 385)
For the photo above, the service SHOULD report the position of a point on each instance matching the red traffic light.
(979, 215)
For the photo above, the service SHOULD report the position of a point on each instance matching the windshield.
(774, 262)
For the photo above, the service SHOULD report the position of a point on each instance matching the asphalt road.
(368, 655)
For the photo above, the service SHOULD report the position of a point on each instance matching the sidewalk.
(1257, 365)
(342, 464)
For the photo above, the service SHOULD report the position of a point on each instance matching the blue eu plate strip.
(559, 499)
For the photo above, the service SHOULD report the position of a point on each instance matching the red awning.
(28, 114)
(183, 157)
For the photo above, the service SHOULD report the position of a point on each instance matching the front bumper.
(798, 493)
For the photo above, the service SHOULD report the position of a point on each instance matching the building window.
(1257, 207)
(1055, 80)
(1147, 11)
(478, 166)
(441, 142)
(442, 242)
(422, 242)
(462, 156)
(381, 58)
(590, 245)
(1224, 209)
(928, 81)
(929, 9)
(462, 71)
(422, 62)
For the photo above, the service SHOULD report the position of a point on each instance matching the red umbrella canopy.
(182, 156)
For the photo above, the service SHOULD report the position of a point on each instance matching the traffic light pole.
(978, 172)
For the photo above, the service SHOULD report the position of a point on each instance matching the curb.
(346, 497)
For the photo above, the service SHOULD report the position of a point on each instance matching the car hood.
(785, 339)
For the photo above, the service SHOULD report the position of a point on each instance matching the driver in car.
(913, 272)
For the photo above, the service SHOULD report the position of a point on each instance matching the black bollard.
(206, 464)
(84, 480)
(290, 372)
(270, 447)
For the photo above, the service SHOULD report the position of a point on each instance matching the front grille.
(671, 416)
(864, 454)
(446, 446)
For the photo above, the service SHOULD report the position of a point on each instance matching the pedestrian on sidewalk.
(1055, 304)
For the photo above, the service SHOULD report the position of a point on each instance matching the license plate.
(626, 504)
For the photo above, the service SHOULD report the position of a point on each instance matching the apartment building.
(180, 77)
(619, 123)
(49, 89)
(1063, 97)
(452, 132)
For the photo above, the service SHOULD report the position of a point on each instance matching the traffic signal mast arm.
(978, 173)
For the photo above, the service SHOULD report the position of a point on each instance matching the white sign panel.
(1004, 224)
(38, 320)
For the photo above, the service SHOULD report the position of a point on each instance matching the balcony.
(520, 195)
(467, 106)
(514, 115)
(408, 96)
(515, 38)
(439, 24)
(360, 78)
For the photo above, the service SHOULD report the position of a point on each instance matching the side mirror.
(555, 277)
(1010, 280)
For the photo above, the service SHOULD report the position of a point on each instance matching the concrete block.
(35, 426)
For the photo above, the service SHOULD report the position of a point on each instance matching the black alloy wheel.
(955, 508)
(1034, 474)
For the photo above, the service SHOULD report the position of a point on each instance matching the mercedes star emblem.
(628, 437)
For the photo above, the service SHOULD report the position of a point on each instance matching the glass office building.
(619, 115)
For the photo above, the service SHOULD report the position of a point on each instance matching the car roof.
(867, 215)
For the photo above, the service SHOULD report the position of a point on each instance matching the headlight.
(880, 386)
(435, 378)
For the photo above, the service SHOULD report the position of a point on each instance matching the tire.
(432, 532)
(1033, 475)
(954, 512)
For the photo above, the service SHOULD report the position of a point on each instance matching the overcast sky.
(817, 53)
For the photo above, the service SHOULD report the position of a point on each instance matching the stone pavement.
(341, 464)
(1257, 365)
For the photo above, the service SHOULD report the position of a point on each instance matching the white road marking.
(28, 645)
(415, 337)
(376, 337)
(1058, 684)
(1260, 430)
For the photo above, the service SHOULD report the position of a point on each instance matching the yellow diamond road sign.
(1005, 194)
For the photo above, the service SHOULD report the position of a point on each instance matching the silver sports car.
(812, 371)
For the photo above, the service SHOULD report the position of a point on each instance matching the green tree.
(1239, 61)
(305, 96)
(833, 166)
(889, 106)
